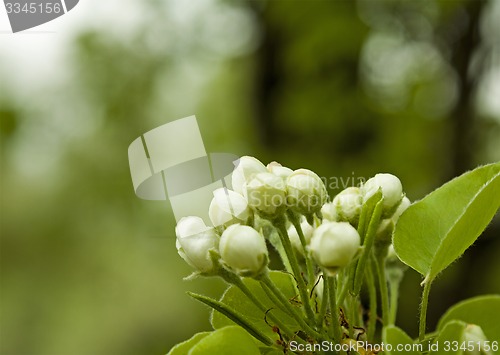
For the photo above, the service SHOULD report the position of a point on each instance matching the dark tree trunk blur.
(464, 139)
(267, 78)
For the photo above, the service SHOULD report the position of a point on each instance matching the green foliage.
(396, 336)
(225, 341)
(483, 311)
(451, 332)
(430, 235)
(270, 351)
(234, 315)
(184, 347)
(436, 230)
(233, 297)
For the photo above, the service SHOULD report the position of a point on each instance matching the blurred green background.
(345, 88)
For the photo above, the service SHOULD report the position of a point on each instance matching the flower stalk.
(334, 310)
(303, 292)
(313, 334)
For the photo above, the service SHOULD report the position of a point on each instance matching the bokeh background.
(345, 88)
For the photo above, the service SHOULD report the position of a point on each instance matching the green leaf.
(483, 311)
(270, 351)
(397, 337)
(234, 315)
(226, 341)
(436, 230)
(234, 298)
(452, 332)
(184, 347)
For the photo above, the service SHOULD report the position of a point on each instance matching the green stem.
(334, 310)
(284, 301)
(343, 293)
(372, 293)
(296, 223)
(382, 284)
(275, 300)
(235, 316)
(324, 303)
(393, 304)
(351, 273)
(362, 220)
(237, 281)
(353, 308)
(368, 243)
(304, 295)
(423, 309)
(275, 240)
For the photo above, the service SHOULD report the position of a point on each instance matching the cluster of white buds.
(328, 228)
(267, 191)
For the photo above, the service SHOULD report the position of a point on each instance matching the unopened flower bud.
(403, 206)
(194, 240)
(266, 193)
(245, 168)
(244, 250)
(334, 245)
(306, 192)
(345, 207)
(475, 337)
(387, 225)
(391, 254)
(279, 170)
(384, 233)
(307, 230)
(392, 190)
(394, 267)
(228, 207)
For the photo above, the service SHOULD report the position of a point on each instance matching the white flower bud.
(392, 190)
(391, 254)
(246, 167)
(306, 192)
(329, 213)
(403, 206)
(244, 250)
(384, 232)
(307, 229)
(386, 226)
(475, 336)
(194, 240)
(266, 193)
(345, 207)
(334, 244)
(228, 207)
(394, 267)
(279, 170)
